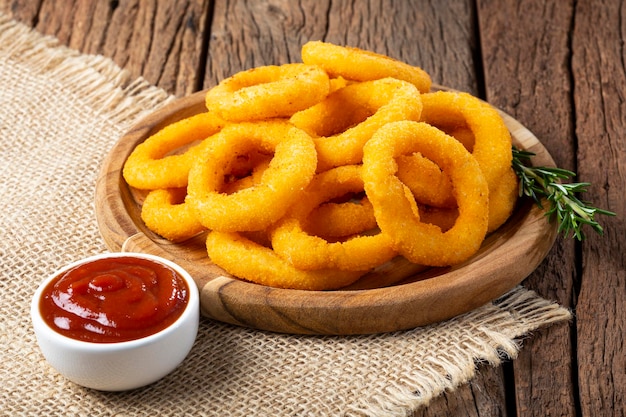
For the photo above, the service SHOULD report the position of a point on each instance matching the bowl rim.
(190, 312)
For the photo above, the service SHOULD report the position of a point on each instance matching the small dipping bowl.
(119, 365)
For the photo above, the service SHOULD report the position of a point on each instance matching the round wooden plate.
(396, 296)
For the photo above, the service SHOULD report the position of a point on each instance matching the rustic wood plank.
(599, 71)
(160, 41)
(598, 81)
(437, 37)
(25, 12)
(245, 35)
(526, 59)
(166, 40)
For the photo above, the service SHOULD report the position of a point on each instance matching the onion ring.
(492, 139)
(337, 220)
(268, 92)
(491, 147)
(502, 200)
(255, 208)
(308, 252)
(426, 181)
(419, 242)
(253, 262)
(165, 212)
(346, 119)
(252, 176)
(360, 65)
(463, 134)
(444, 218)
(150, 167)
(337, 84)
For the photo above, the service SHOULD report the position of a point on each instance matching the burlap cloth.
(60, 113)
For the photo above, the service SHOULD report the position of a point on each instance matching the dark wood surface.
(556, 66)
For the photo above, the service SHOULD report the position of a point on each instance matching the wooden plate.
(421, 297)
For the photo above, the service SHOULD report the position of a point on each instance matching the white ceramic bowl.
(124, 365)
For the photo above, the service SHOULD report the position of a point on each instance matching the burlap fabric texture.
(60, 113)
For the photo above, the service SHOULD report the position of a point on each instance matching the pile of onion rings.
(310, 175)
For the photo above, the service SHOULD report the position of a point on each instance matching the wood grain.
(599, 75)
(414, 33)
(525, 53)
(565, 76)
(162, 42)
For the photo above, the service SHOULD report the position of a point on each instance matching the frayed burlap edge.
(503, 324)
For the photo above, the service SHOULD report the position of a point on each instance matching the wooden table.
(557, 66)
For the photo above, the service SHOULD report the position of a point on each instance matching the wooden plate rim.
(407, 305)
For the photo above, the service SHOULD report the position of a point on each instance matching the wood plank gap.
(479, 67)
(578, 248)
(327, 20)
(575, 374)
(510, 401)
(35, 18)
(204, 51)
(21, 12)
(570, 47)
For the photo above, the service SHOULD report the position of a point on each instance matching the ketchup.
(114, 300)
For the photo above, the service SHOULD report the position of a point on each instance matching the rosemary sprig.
(545, 182)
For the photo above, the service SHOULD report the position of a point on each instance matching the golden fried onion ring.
(258, 165)
(346, 119)
(268, 92)
(360, 65)
(491, 147)
(257, 207)
(426, 181)
(338, 220)
(419, 242)
(502, 200)
(150, 165)
(307, 252)
(492, 139)
(165, 212)
(253, 262)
